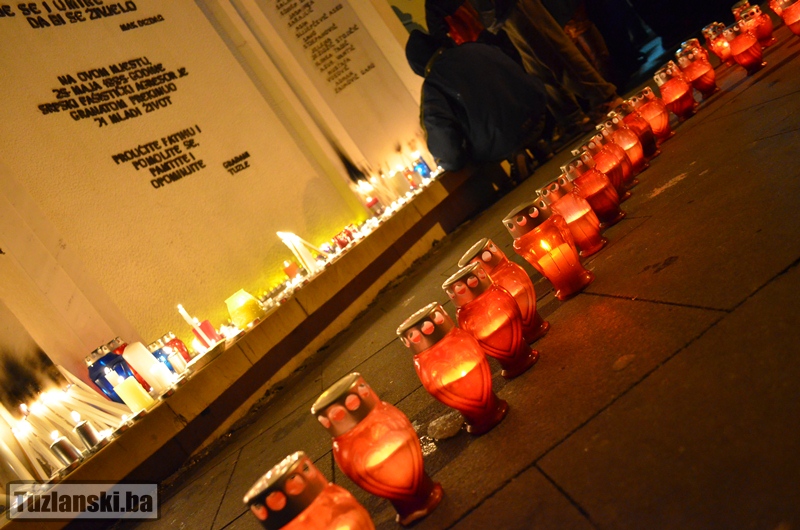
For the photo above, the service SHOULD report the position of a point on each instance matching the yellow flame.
(545, 245)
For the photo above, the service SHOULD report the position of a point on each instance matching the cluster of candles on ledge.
(374, 443)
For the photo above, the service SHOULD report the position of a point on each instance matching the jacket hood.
(420, 48)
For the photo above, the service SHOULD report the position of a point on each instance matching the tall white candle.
(12, 464)
(143, 362)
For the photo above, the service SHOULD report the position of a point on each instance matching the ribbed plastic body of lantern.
(760, 25)
(639, 125)
(609, 163)
(745, 49)
(452, 367)
(791, 16)
(295, 495)
(375, 445)
(621, 135)
(717, 42)
(595, 188)
(491, 315)
(653, 109)
(675, 90)
(583, 224)
(513, 279)
(738, 8)
(697, 70)
(547, 245)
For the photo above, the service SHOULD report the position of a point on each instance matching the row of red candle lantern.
(374, 443)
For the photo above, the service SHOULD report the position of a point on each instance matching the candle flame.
(545, 245)
(377, 458)
(76, 416)
(23, 428)
(54, 435)
(37, 408)
(460, 371)
(23, 408)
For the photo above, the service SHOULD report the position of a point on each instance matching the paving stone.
(527, 501)
(708, 440)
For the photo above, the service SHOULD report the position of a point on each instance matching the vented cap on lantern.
(549, 195)
(565, 184)
(467, 284)
(751, 13)
(523, 219)
(713, 30)
(485, 251)
(425, 328)
(344, 404)
(285, 491)
(575, 167)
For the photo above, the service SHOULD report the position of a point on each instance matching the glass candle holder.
(634, 121)
(653, 109)
(375, 445)
(244, 309)
(745, 49)
(620, 134)
(176, 345)
(491, 315)
(583, 224)
(452, 367)
(675, 90)
(547, 245)
(790, 13)
(759, 24)
(595, 188)
(717, 43)
(513, 279)
(738, 8)
(697, 70)
(609, 162)
(694, 43)
(101, 362)
(294, 495)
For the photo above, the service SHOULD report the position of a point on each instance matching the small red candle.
(653, 109)
(547, 244)
(611, 161)
(583, 224)
(745, 48)
(760, 25)
(595, 188)
(697, 70)
(291, 269)
(791, 15)
(513, 279)
(621, 135)
(452, 367)
(294, 495)
(675, 90)
(491, 315)
(694, 43)
(376, 446)
(717, 42)
(634, 121)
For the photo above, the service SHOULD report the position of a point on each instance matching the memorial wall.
(151, 150)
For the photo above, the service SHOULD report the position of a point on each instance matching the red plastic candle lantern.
(791, 15)
(694, 43)
(595, 188)
(717, 42)
(546, 243)
(452, 367)
(738, 8)
(777, 6)
(609, 162)
(294, 495)
(583, 224)
(375, 445)
(653, 109)
(675, 90)
(491, 315)
(760, 25)
(697, 70)
(513, 279)
(621, 135)
(745, 49)
(634, 121)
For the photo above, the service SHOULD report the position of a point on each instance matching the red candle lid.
(467, 284)
(344, 404)
(523, 219)
(484, 251)
(425, 328)
(285, 491)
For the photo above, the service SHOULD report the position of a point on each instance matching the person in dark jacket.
(477, 104)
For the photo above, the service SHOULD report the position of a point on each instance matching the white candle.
(177, 361)
(133, 395)
(163, 377)
(141, 360)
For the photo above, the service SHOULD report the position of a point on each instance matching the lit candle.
(244, 309)
(177, 361)
(67, 453)
(675, 90)
(583, 224)
(86, 432)
(791, 16)
(133, 395)
(595, 188)
(146, 365)
(291, 269)
(163, 377)
(745, 49)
